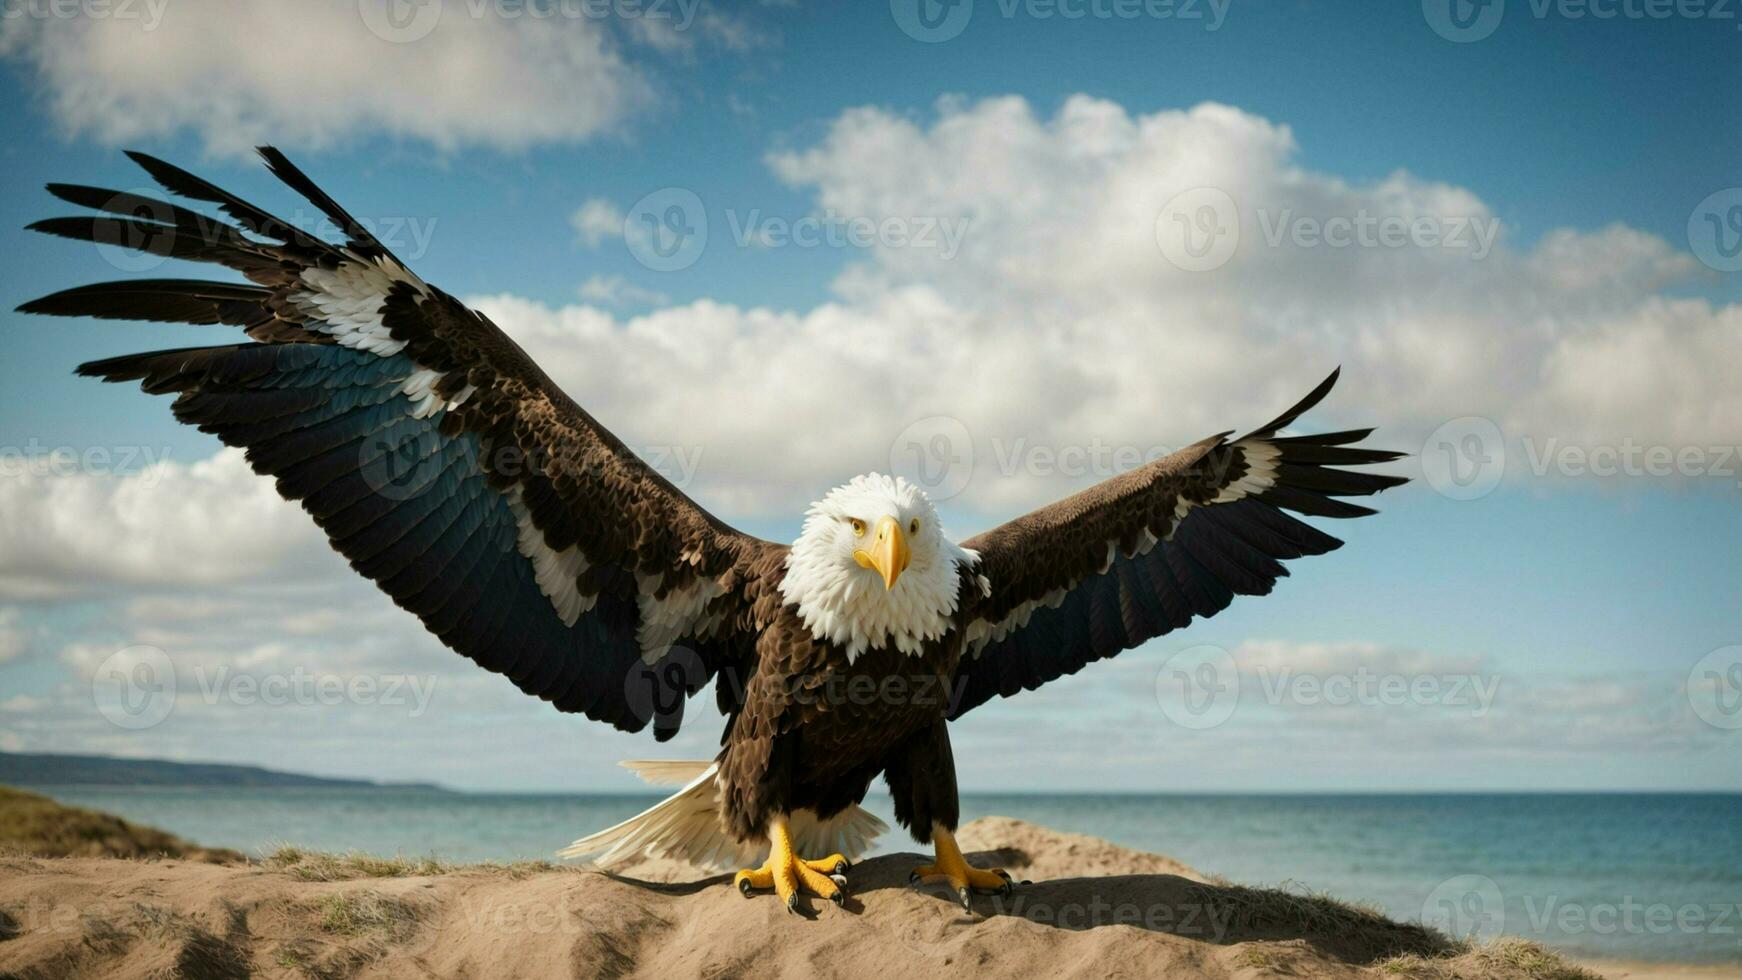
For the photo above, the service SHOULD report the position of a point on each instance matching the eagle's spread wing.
(1143, 553)
(435, 454)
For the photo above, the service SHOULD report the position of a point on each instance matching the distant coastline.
(46, 769)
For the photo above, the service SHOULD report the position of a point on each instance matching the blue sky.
(1592, 144)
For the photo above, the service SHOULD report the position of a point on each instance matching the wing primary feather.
(298, 181)
(178, 181)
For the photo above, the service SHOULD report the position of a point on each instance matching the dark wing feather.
(438, 458)
(1146, 552)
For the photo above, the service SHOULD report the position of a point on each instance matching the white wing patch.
(1261, 459)
(347, 302)
(420, 385)
(557, 572)
(664, 620)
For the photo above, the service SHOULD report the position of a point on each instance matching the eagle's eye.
(858, 527)
(913, 526)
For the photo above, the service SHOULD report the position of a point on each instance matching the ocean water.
(1620, 876)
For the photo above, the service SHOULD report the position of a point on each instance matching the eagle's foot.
(788, 874)
(964, 879)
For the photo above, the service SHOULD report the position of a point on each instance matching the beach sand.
(1093, 910)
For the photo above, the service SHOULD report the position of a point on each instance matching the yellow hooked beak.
(888, 553)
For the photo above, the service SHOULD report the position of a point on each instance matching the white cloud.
(679, 32)
(323, 71)
(618, 291)
(206, 523)
(597, 221)
(1060, 324)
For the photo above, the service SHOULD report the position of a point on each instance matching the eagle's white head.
(872, 567)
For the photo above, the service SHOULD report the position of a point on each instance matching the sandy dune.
(1094, 910)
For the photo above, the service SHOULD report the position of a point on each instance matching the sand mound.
(1094, 910)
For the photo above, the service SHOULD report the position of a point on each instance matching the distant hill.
(25, 769)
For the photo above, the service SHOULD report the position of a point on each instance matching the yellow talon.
(964, 879)
(788, 874)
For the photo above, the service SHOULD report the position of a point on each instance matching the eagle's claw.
(788, 874)
(964, 879)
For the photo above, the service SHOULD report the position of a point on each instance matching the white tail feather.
(687, 826)
(666, 772)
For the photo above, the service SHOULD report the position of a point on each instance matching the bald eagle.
(453, 473)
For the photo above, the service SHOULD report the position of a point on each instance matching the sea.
(1646, 876)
